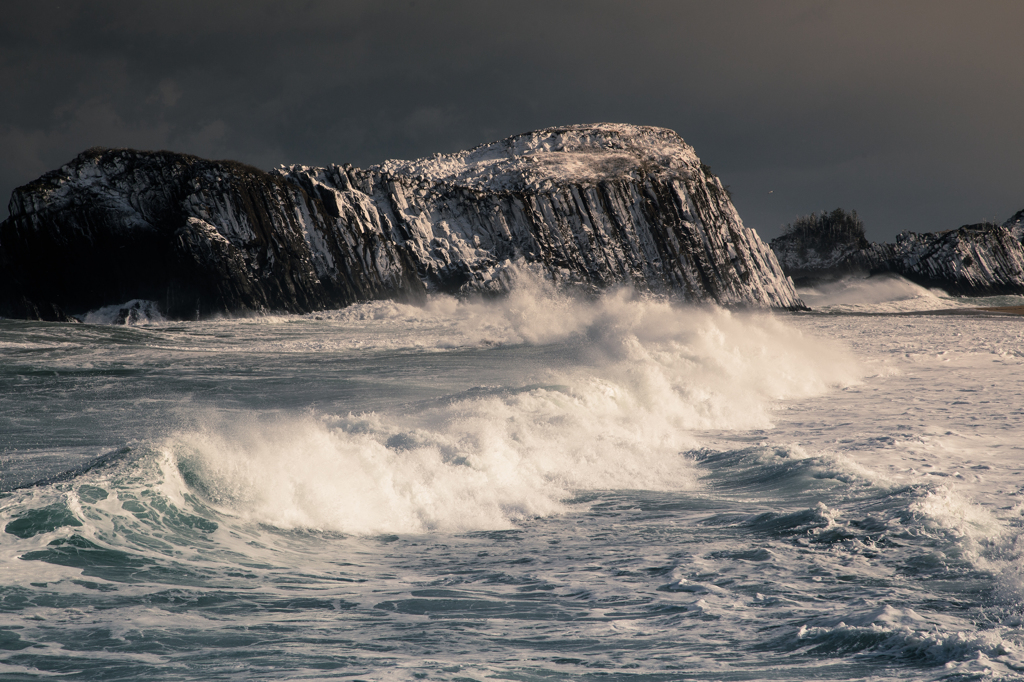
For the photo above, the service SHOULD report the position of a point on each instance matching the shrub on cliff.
(827, 232)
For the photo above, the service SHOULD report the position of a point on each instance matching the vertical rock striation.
(590, 205)
(974, 260)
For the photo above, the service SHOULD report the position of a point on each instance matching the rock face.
(974, 260)
(196, 236)
(1016, 225)
(590, 205)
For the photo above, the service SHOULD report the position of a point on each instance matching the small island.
(985, 259)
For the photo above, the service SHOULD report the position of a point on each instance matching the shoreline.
(983, 311)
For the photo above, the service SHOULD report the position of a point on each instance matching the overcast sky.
(912, 113)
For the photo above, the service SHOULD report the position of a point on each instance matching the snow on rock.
(591, 205)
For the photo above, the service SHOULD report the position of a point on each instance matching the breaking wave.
(883, 293)
(639, 381)
(134, 312)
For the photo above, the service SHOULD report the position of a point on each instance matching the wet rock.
(589, 206)
(985, 259)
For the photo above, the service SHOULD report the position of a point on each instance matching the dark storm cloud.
(907, 111)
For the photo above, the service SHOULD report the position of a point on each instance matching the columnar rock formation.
(589, 205)
(973, 260)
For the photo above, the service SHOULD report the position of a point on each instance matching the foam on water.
(641, 379)
(134, 312)
(878, 294)
(140, 522)
(544, 488)
(890, 294)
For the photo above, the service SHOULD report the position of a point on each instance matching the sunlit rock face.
(1016, 225)
(588, 206)
(973, 260)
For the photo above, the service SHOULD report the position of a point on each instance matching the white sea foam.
(883, 293)
(907, 634)
(898, 497)
(134, 312)
(644, 378)
(890, 293)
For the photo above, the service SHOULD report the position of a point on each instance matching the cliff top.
(537, 161)
(550, 157)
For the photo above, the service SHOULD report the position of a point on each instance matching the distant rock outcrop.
(590, 205)
(974, 260)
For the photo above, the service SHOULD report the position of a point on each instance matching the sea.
(545, 486)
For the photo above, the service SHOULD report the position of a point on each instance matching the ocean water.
(533, 488)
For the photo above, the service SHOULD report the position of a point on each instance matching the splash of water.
(642, 379)
(888, 293)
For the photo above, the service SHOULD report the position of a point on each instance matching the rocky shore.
(589, 205)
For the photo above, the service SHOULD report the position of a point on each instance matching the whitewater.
(543, 486)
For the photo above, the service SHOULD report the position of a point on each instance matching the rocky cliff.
(589, 205)
(974, 260)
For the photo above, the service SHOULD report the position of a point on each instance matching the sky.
(909, 112)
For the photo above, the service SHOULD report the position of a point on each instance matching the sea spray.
(638, 380)
(890, 293)
(626, 488)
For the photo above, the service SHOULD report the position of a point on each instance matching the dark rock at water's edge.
(985, 259)
(590, 205)
(199, 237)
